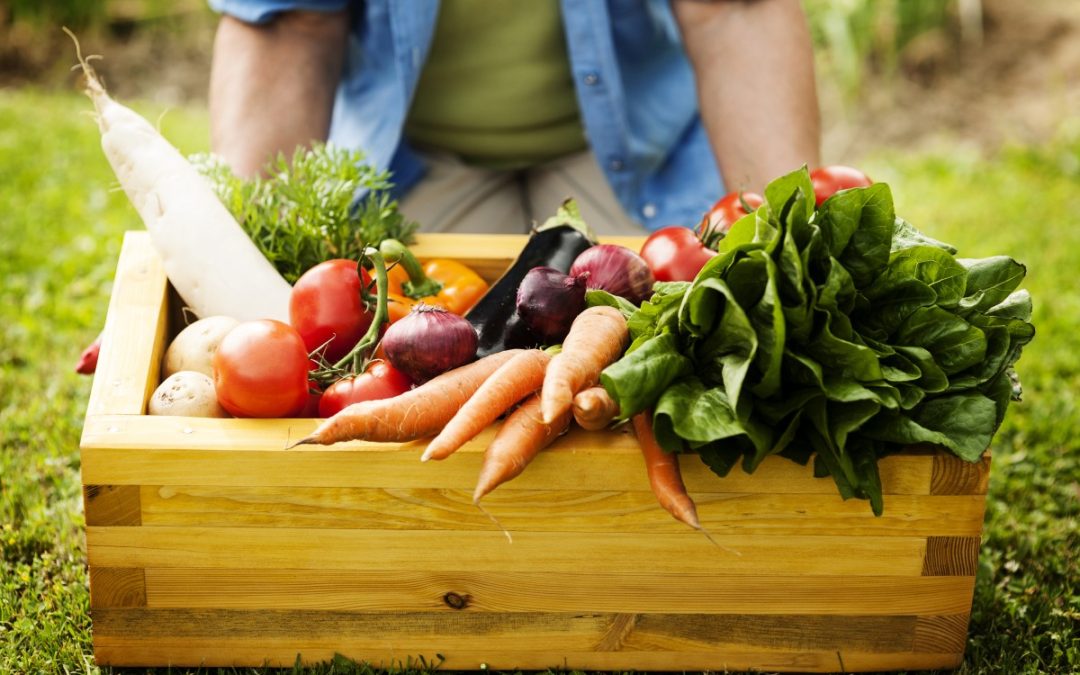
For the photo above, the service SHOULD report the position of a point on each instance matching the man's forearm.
(753, 62)
(272, 85)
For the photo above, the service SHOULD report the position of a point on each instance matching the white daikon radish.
(207, 256)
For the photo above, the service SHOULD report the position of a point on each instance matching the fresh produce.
(828, 180)
(186, 393)
(842, 331)
(675, 253)
(322, 203)
(556, 244)
(380, 380)
(418, 413)
(327, 307)
(665, 478)
(594, 408)
(440, 282)
(615, 269)
(429, 342)
(548, 301)
(193, 347)
(597, 338)
(209, 259)
(88, 359)
(521, 437)
(261, 370)
(513, 381)
(723, 215)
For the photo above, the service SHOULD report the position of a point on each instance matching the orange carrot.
(522, 436)
(594, 408)
(513, 381)
(417, 413)
(664, 475)
(597, 338)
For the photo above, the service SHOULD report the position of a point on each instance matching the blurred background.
(969, 109)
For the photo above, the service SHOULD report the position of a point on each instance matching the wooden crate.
(211, 543)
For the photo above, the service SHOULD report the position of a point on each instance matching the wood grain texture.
(112, 504)
(143, 450)
(943, 633)
(954, 476)
(134, 335)
(686, 552)
(527, 591)
(951, 556)
(117, 587)
(552, 510)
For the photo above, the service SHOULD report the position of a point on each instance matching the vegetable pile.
(840, 330)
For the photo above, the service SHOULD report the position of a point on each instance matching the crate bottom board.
(539, 640)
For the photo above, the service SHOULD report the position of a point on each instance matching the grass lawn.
(60, 227)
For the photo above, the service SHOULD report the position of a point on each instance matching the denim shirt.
(635, 89)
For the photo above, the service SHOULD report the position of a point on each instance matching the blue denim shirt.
(635, 89)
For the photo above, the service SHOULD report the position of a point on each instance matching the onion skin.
(548, 301)
(617, 270)
(429, 342)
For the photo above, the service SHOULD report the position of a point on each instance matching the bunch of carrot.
(538, 392)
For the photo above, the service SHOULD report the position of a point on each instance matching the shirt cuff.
(261, 11)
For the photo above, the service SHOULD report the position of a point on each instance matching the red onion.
(617, 270)
(428, 342)
(548, 301)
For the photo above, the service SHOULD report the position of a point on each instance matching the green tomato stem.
(357, 358)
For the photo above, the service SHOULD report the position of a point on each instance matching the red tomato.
(326, 305)
(261, 370)
(675, 254)
(729, 209)
(828, 180)
(380, 380)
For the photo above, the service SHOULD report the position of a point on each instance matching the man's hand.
(272, 85)
(754, 66)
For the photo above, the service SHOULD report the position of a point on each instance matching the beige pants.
(455, 197)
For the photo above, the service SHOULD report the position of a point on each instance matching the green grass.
(60, 227)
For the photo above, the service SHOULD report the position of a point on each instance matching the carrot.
(513, 381)
(594, 408)
(664, 475)
(597, 338)
(522, 436)
(417, 413)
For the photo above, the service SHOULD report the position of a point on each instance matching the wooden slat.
(954, 476)
(112, 504)
(134, 335)
(602, 552)
(143, 450)
(951, 556)
(405, 591)
(551, 510)
(942, 633)
(117, 587)
(415, 632)
(224, 651)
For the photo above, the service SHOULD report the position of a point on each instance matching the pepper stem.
(419, 284)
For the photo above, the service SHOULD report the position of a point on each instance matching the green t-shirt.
(497, 89)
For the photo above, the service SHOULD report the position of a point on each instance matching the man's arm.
(272, 85)
(753, 63)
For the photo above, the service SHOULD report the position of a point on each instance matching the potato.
(186, 394)
(194, 347)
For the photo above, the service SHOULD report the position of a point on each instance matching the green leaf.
(597, 297)
(688, 410)
(638, 379)
(964, 423)
(857, 226)
(955, 344)
(794, 191)
(906, 235)
(990, 281)
(731, 344)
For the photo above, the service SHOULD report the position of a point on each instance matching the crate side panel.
(954, 476)
(117, 587)
(551, 510)
(951, 556)
(454, 591)
(112, 504)
(682, 553)
(134, 334)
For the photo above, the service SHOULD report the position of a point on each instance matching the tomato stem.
(358, 357)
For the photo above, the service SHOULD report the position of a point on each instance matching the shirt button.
(591, 79)
(616, 165)
(649, 210)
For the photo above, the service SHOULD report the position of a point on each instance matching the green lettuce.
(839, 333)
